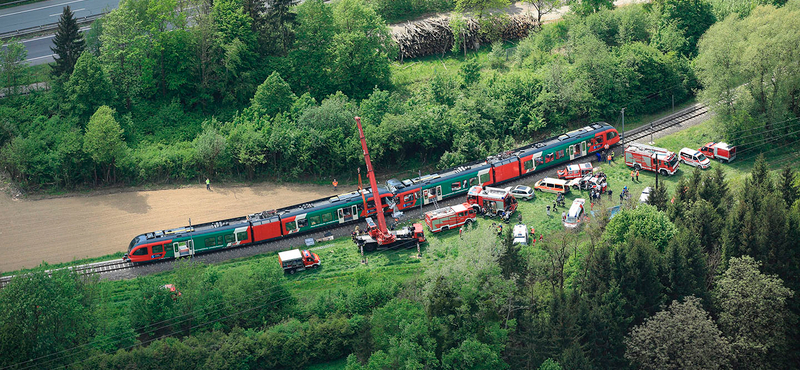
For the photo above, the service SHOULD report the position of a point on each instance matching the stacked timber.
(435, 36)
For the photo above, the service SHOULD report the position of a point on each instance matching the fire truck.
(492, 201)
(650, 158)
(575, 171)
(450, 217)
(721, 151)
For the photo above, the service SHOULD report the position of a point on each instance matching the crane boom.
(384, 236)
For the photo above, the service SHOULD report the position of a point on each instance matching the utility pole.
(622, 138)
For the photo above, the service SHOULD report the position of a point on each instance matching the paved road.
(47, 12)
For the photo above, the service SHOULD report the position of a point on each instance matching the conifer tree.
(69, 44)
(658, 198)
(788, 185)
(686, 267)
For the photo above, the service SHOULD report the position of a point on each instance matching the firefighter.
(637, 175)
(632, 175)
(461, 232)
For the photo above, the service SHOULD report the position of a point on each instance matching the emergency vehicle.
(492, 201)
(450, 217)
(694, 158)
(573, 217)
(721, 151)
(650, 158)
(575, 171)
(294, 260)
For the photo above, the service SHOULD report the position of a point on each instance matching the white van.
(552, 185)
(520, 234)
(573, 217)
(694, 158)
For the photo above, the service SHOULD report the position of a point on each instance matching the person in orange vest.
(632, 174)
(637, 175)
(609, 158)
(335, 184)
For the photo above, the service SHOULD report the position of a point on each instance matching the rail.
(87, 269)
(664, 123)
(47, 27)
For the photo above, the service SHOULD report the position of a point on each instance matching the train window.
(302, 223)
(219, 240)
(140, 252)
(314, 220)
(611, 135)
(484, 178)
(455, 186)
(158, 248)
(539, 161)
(370, 204)
(228, 238)
(599, 140)
(210, 241)
(410, 197)
(548, 158)
(327, 217)
(473, 181)
(528, 165)
(559, 154)
(241, 236)
(291, 226)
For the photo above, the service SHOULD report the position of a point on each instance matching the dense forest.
(239, 92)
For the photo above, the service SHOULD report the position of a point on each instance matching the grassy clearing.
(76, 262)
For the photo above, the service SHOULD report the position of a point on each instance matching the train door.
(183, 249)
(347, 214)
(583, 149)
(484, 178)
(428, 195)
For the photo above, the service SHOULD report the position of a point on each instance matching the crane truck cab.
(295, 260)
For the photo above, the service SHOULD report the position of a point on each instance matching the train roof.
(583, 132)
(329, 202)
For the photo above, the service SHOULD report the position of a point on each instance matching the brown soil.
(64, 229)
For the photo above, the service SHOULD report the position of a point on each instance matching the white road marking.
(74, 11)
(40, 8)
(41, 57)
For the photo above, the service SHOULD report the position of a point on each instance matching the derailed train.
(347, 208)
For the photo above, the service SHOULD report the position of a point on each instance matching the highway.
(47, 12)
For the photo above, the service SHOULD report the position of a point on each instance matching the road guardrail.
(47, 27)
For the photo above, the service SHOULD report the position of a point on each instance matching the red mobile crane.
(379, 236)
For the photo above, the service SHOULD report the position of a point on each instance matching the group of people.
(625, 194)
(605, 155)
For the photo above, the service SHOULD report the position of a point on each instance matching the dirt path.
(63, 229)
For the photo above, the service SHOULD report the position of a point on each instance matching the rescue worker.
(609, 194)
(612, 156)
(208, 184)
(548, 211)
(637, 175)
(335, 184)
(357, 231)
(632, 175)
(461, 232)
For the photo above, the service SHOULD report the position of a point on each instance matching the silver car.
(645, 195)
(522, 192)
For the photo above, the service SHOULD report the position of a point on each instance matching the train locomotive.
(349, 207)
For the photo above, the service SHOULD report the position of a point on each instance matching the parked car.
(520, 234)
(588, 182)
(645, 195)
(522, 192)
(575, 213)
(694, 158)
(551, 185)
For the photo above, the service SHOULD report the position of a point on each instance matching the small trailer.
(295, 260)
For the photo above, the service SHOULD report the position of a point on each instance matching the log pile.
(435, 36)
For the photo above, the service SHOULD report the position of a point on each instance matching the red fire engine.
(450, 217)
(575, 171)
(721, 151)
(492, 201)
(650, 158)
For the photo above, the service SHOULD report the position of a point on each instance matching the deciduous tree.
(753, 314)
(682, 337)
(273, 96)
(481, 6)
(103, 140)
(87, 89)
(12, 61)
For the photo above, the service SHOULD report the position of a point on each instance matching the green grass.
(632, 122)
(76, 262)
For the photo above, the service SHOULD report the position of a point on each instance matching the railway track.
(664, 123)
(127, 269)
